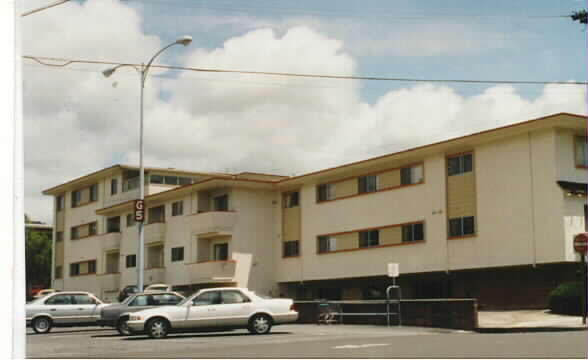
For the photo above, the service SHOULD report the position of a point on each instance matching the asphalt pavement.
(309, 341)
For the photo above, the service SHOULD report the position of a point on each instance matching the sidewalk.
(527, 320)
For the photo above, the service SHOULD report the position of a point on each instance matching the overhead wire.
(65, 62)
(59, 2)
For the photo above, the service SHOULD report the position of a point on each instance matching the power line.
(65, 62)
(59, 2)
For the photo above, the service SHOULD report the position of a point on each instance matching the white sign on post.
(393, 270)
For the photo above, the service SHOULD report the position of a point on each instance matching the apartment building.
(491, 215)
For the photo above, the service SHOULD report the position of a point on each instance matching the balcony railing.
(154, 232)
(214, 222)
(212, 271)
(111, 240)
(154, 275)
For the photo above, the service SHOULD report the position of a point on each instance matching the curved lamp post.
(143, 70)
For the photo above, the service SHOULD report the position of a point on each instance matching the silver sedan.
(68, 308)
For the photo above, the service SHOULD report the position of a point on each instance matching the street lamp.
(143, 70)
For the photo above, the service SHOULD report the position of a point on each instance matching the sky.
(76, 121)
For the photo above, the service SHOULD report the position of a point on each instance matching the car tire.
(260, 324)
(157, 328)
(122, 326)
(42, 325)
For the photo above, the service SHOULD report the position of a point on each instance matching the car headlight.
(135, 317)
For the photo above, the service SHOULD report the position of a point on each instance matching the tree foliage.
(38, 257)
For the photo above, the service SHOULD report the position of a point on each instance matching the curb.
(510, 330)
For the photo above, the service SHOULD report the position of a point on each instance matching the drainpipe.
(532, 201)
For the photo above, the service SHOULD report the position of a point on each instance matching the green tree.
(38, 256)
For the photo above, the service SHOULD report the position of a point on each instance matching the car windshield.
(127, 300)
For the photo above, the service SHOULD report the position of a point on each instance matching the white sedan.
(215, 309)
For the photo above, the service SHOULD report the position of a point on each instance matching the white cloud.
(76, 122)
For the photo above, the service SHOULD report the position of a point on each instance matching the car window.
(59, 300)
(81, 299)
(167, 299)
(144, 300)
(208, 298)
(233, 297)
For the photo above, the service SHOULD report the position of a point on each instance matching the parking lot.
(312, 341)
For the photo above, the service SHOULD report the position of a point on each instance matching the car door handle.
(52, 309)
(80, 308)
(211, 309)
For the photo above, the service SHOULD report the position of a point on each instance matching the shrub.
(567, 299)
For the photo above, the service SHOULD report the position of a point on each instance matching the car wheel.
(123, 327)
(157, 328)
(41, 325)
(260, 324)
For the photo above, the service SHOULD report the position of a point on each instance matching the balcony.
(109, 281)
(212, 271)
(110, 240)
(154, 232)
(213, 223)
(154, 275)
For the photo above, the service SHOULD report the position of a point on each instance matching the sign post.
(393, 272)
(580, 247)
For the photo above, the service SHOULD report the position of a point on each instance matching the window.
(130, 220)
(113, 224)
(208, 298)
(177, 254)
(459, 164)
(580, 150)
(221, 203)
(59, 272)
(369, 238)
(94, 192)
(76, 198)
(326, 192)
(291, 248)
(462, 226)
(82, 268)
(221, 251)
(233, 297)
(60, 202)
(157, 214)
(75, 233)
(59, 236)
(59, 300)
(92, 229)
(367, 184)
(177, 208)
(171, 180)
(412, 232)
(411, 175)
(167, 299)
(327, 244)
(291, 199)
(156, 179)
(81, 299)
(113, 186)
(74, 269)
(92, 267)
(184, 180)
(131, 261)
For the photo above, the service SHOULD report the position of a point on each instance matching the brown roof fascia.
(183, 187)
(52, 190)
(429, 145)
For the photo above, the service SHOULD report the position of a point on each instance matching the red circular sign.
(580, 243)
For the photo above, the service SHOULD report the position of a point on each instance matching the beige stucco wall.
(408, 204)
